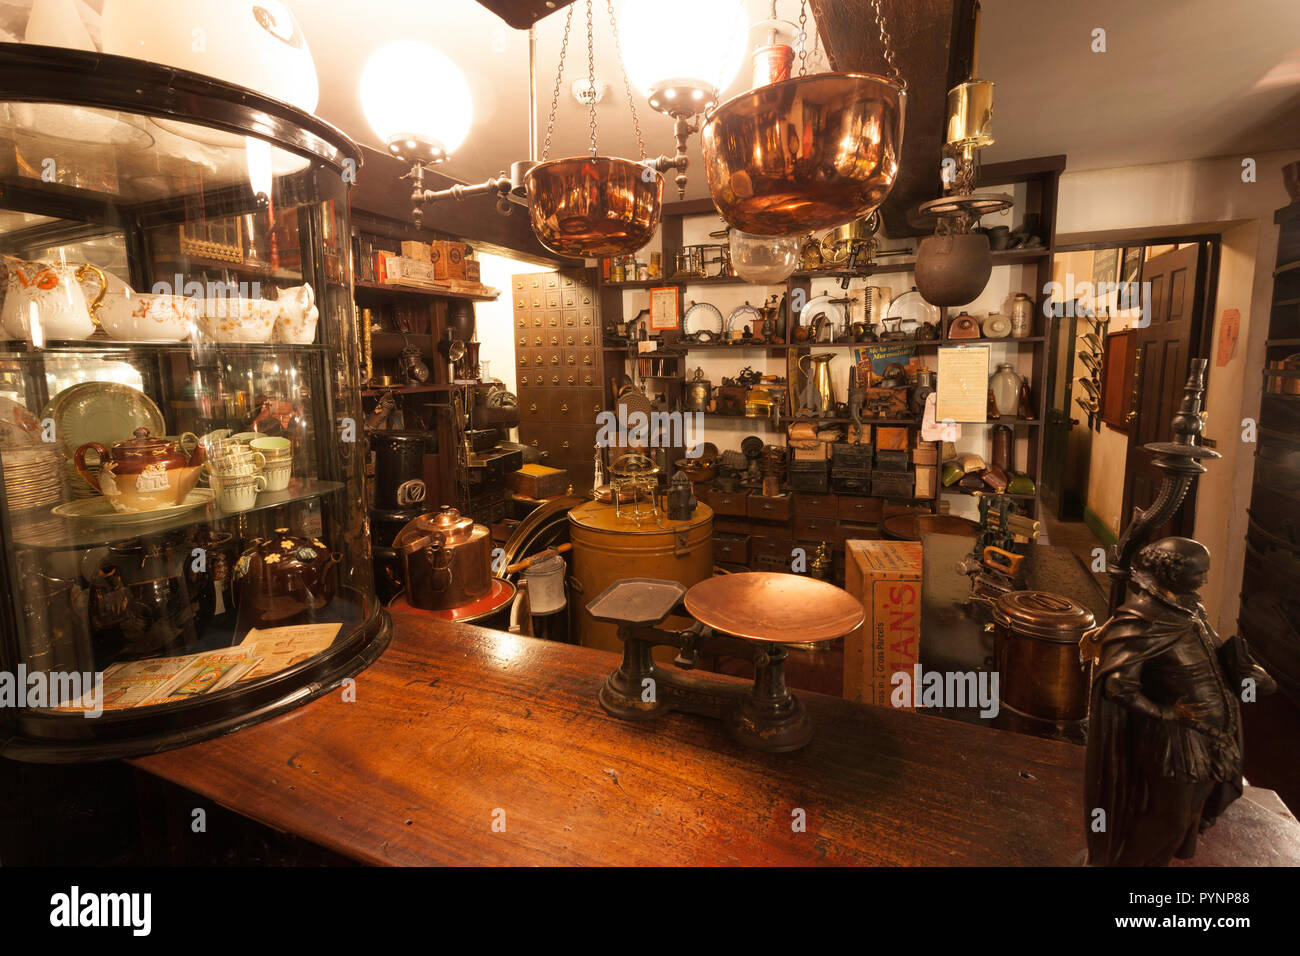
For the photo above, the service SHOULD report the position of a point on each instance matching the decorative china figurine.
(143, 474)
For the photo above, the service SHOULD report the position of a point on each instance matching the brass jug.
(819, 385)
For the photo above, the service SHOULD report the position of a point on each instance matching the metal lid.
(1043, 614)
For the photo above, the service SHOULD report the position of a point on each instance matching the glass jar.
(1005, 383)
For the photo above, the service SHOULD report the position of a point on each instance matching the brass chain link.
(803, 37)
(591, 79)
(895, 75)
(627, 84)
(555, 96)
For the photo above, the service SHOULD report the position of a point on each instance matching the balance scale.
(752, 616)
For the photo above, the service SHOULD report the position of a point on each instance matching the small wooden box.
(891, 439)
(820, 451)
(417, 250)
(926, 453)
(538, 481)
(448, 259)
(927, 481)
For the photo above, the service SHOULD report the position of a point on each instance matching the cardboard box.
(448, 259)
(416, 250)
(473, 270)
(927, 481)
(886, 577)
(391, 269)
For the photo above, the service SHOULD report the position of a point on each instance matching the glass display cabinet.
(185, 547)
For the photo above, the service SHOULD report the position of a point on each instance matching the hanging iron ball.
(953, 270)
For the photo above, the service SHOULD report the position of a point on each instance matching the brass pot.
(587, 207)
(804, 154)
(448, 560)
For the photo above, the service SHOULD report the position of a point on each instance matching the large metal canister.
(608, 549)
(1036, 643)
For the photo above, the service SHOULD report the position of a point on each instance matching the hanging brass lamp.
(591, 206)
(808, 153)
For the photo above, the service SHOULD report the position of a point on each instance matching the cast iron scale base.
(750, 616)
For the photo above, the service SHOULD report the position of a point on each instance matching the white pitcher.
(49, 295)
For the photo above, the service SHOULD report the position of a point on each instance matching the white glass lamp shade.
(416, 100)
(252, 43)
(677, 43)
(764, 260)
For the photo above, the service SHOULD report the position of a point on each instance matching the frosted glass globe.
(410, 88)
(764, 260)
(701, 40)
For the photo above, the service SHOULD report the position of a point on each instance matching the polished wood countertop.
(456, 727)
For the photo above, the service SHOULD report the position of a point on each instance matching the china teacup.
(238, 494)
(277, 475)
(272, 447)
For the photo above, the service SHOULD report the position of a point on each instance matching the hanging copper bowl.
(804, 154)
(587, 207)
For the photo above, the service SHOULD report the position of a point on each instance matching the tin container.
(1036, 644)
(607, 549)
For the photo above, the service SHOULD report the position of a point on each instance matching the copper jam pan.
(804, 154)
(586, 207)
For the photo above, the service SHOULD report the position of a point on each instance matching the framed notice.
(962, 389)
(663, 310)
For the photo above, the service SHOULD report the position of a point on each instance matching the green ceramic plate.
(105, 412)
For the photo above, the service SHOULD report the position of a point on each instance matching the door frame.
(1202, 338)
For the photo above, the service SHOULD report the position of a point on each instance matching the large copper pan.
(804, 154)
(586, 207)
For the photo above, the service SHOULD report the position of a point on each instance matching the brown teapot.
(283, 579)
(448, 560)
(143, 473)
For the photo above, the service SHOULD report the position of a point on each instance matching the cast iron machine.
(752, 616)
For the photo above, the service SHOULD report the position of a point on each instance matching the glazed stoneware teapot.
(143, 473)
(448, 560)
(46, 301)
(283, 579)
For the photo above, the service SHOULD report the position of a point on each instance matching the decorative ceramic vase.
(1005, 383)
(1022, 316)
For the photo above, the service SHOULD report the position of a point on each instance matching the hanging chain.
(803, 35)
(627, 84)
(591, 78)
(895, 75)
(555, 97)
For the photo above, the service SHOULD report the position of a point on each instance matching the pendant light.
(590, 206)
(681, 54)
(953, 266)
(808, 153)
(424, 129)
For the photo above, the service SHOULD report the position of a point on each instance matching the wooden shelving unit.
(1040, 178)
(1269, 617)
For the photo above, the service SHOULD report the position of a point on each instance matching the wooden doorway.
(1177, 287)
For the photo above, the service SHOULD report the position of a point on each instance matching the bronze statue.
(1164, 740)
(1164, 723)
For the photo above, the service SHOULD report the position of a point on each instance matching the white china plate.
(98, 509)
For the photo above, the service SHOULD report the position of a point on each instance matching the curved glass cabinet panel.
(184, 540)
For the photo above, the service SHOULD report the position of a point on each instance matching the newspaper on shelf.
(278, 648)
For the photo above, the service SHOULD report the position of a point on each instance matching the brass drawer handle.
(555, 360)
(555, 340)
(555, 380)
(534, 442)
(570, 379)
(564, 410)
(538, 361)
(587, 381)
(564, 444)
(533, 408)
(521, 322)
(523, 341)
(586, 340)
(523, 360)
(586, 360)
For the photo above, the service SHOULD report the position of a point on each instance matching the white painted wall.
(1208, 194)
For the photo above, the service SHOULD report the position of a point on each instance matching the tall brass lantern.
(808, 153)
(591, 206)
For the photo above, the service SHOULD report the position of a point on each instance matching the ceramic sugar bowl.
(143, 473)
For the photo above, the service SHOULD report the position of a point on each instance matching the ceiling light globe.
(692, 43)
(416, 100)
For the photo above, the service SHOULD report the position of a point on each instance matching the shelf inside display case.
(177, 326)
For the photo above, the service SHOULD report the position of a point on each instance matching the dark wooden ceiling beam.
(933, 42)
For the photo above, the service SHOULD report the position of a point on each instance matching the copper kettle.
(448, 560)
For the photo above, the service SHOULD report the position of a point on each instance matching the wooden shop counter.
(454, 724)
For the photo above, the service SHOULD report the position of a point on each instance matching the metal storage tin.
(1036, 643)
(607, 549)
